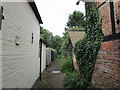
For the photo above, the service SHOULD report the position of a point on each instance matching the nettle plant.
(86, 50)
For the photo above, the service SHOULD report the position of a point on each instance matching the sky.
(54, 13)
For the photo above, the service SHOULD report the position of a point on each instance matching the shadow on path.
(52, 80)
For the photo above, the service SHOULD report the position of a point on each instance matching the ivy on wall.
(86, 50)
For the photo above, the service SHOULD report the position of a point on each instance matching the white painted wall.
(0, 55)
(20, 64)
(43, 61)
(48, 56)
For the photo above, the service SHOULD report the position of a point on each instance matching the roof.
(35, 10)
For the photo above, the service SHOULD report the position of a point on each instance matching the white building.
(0, 48)
(20, 33)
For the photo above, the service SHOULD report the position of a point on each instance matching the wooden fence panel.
(48, 56)
(43, 61)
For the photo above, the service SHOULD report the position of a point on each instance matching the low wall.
(76, 35)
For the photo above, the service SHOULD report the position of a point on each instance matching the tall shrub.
(86, 50)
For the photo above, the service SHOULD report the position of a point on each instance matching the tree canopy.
(51, 41)
(46, 36)
(76, 19)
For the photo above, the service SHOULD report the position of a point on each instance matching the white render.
(43, 61)
(0, 59)
(0, 55)
(20, 63)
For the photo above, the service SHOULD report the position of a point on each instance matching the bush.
(75, 81)
(66, 65)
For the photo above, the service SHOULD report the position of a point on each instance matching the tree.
(46, 36)
(76, 19)
(57, 42)
(51, 41)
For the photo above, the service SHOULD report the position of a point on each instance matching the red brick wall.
(106, 21)
(117, 16)
(107, 68)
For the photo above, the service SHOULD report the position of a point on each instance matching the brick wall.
(106, 23)
(107, 68)
(117, 16)
(76, 35)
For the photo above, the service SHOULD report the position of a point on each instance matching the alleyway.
(52, 80)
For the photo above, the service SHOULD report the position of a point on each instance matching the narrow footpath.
(52, 80)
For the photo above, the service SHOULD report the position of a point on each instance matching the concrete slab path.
(52, 80)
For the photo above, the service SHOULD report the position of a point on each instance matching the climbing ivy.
(86, 50)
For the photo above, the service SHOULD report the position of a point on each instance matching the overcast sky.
(54, 13)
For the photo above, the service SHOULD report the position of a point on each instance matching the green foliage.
(75, 81)
(53, 50)
(76, 19)
(86, 50)
(86, 53)
(66, 65)
(57, 42)
(75, 22)
(77, 28)
(67, 45)
(53, 54)
(50, 40)
(46, 36)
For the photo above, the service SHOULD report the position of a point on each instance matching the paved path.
(50, 80)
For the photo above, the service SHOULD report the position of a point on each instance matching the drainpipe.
(40, 42)
(111, 3)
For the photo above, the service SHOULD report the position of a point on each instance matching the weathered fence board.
(48, 56)
(43, 61)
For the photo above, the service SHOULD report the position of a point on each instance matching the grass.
(77, 28)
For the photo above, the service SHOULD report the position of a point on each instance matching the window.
(32, 38)
(17, 40)
(1, 16)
